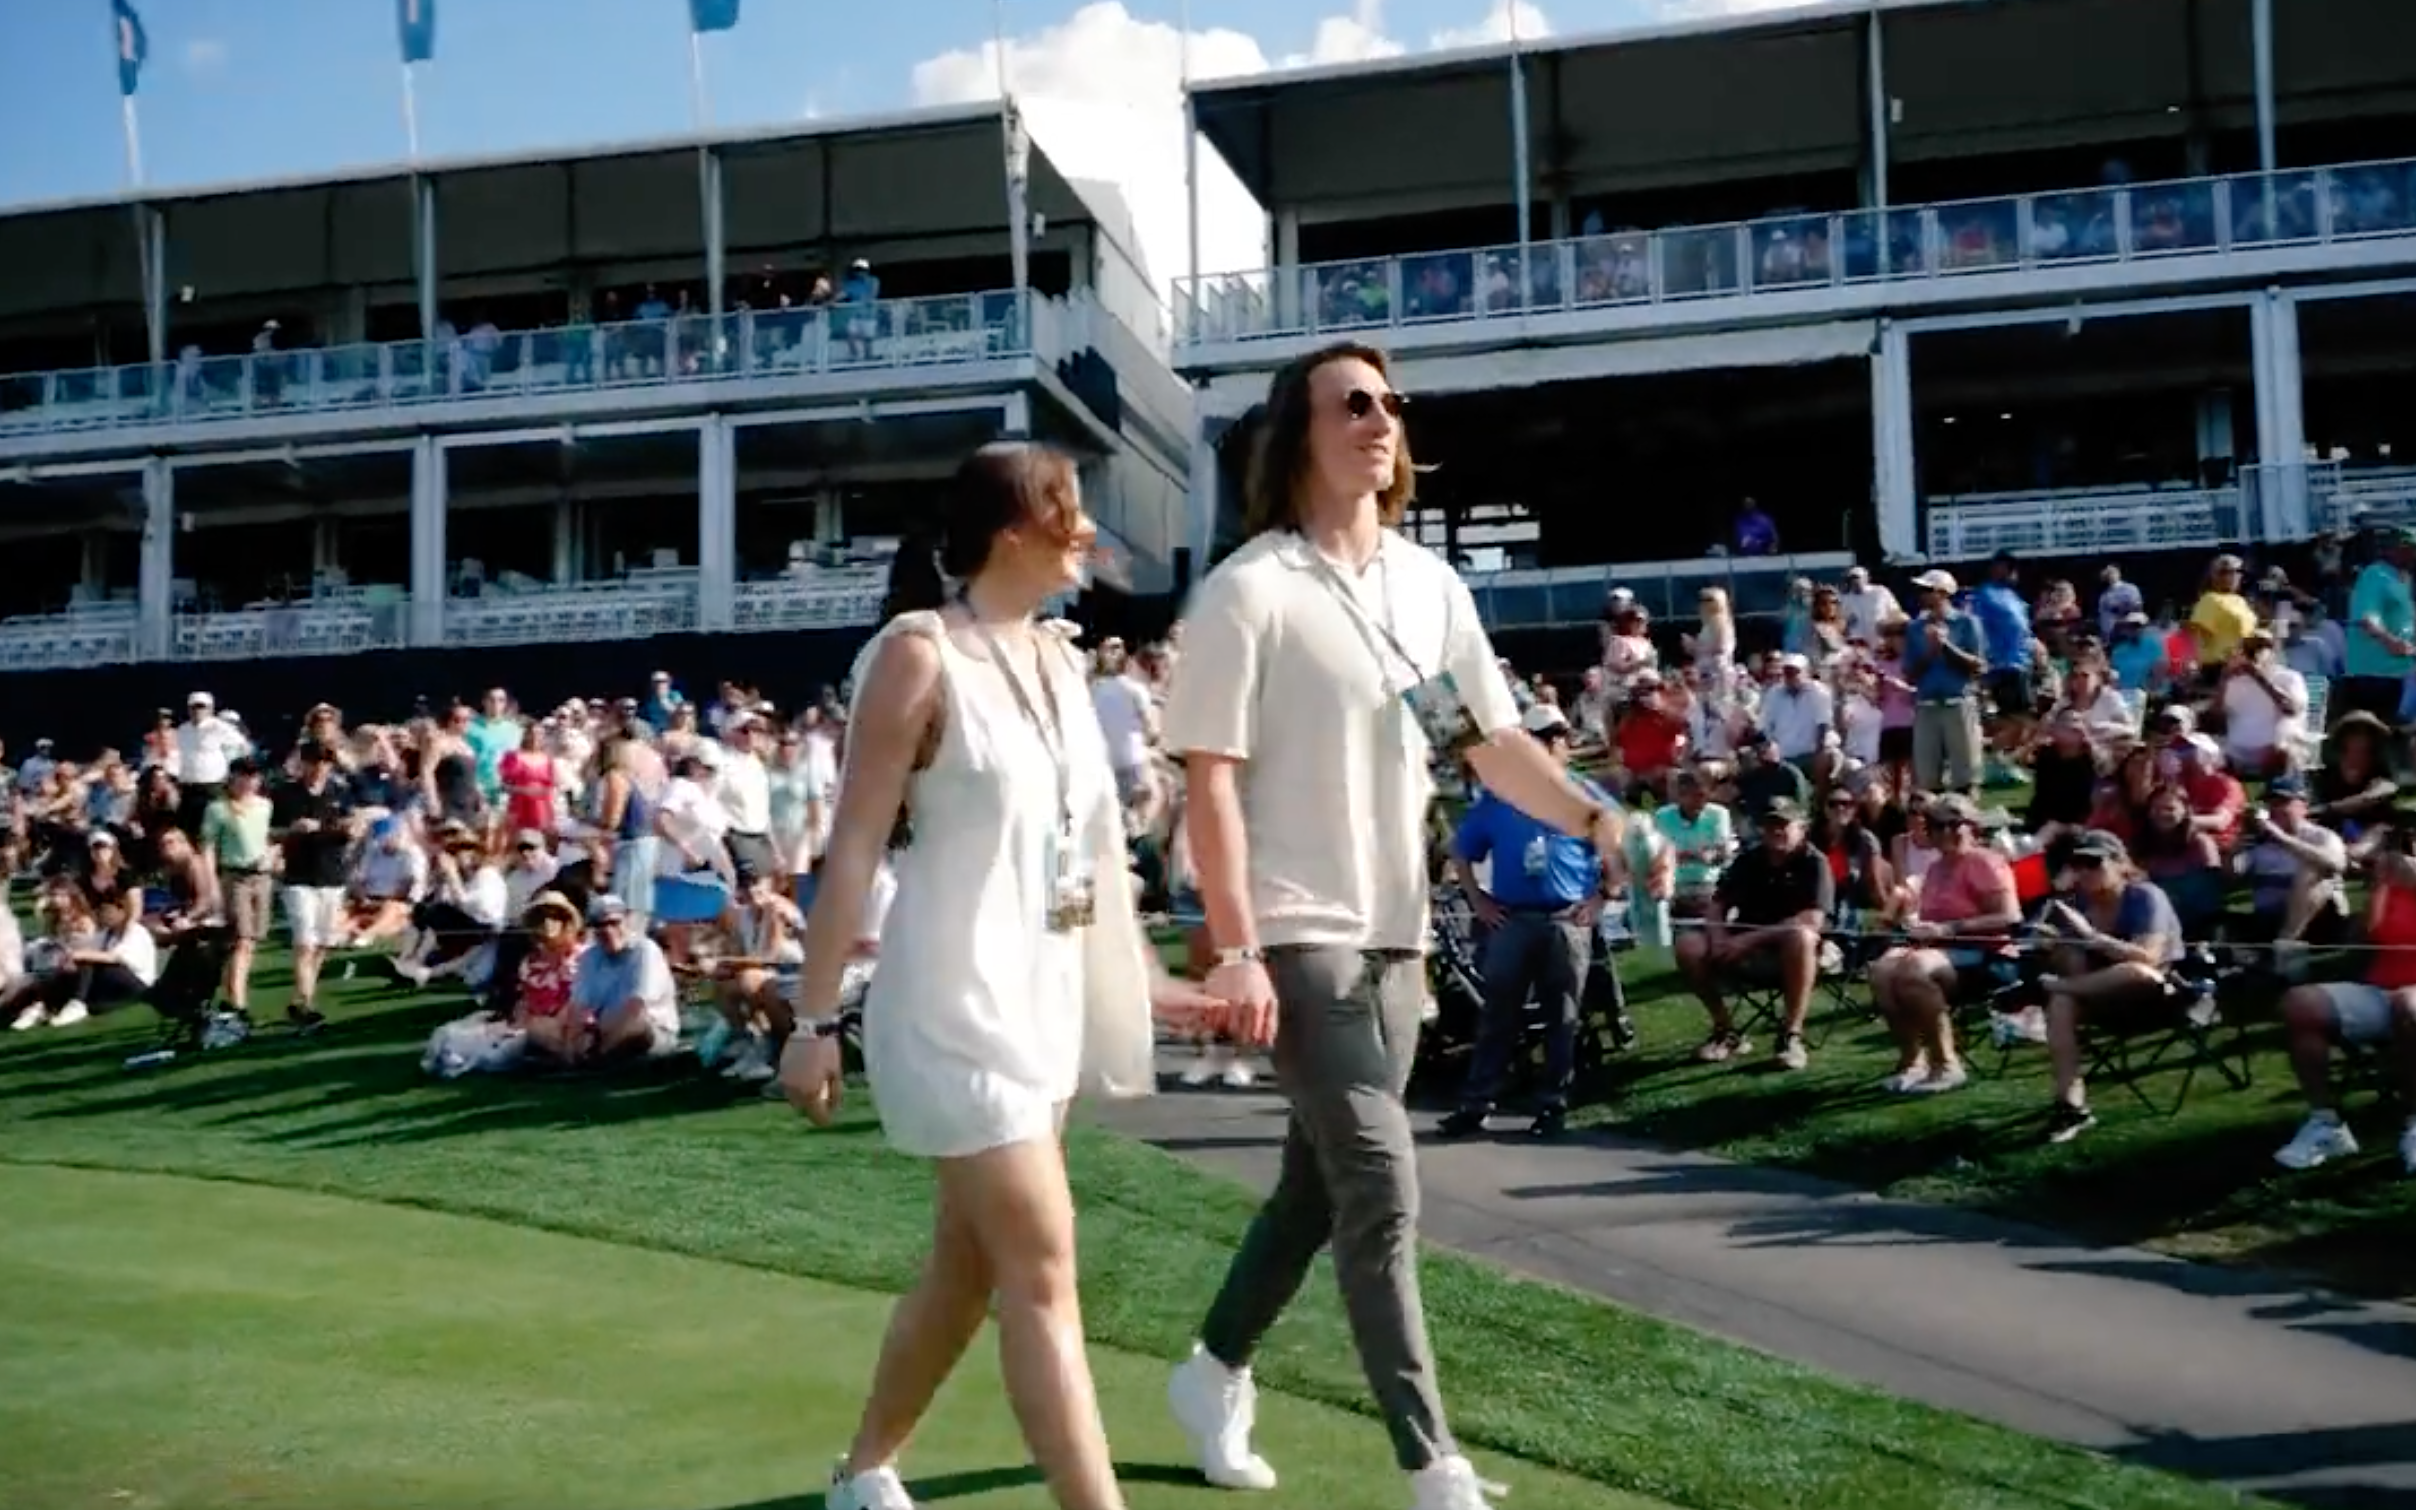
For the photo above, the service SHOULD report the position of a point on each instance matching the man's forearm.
(1520, 772)
(1220, 853)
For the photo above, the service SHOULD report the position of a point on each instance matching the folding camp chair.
(2194, 1033)
(1757, 999)
(1455, 976)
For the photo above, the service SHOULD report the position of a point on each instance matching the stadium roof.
(841, 184)
(1781, 92)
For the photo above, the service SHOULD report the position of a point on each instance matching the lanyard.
(1051, 729)
(1332, 577)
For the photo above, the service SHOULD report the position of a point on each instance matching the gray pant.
(1546, 955)
(1946, 746)
(1346, 1032)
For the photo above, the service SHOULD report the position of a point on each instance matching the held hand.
(1488, 911)
(810, 1076)
(1249, 999)
(1185, 1007)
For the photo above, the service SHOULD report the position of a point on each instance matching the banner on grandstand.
(133, 46)
(415, 20)
(712, 15)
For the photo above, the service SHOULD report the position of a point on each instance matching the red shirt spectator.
(1649, 740)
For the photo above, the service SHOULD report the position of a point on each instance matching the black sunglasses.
(1359, 403)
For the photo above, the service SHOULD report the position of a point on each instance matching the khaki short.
(248, 899)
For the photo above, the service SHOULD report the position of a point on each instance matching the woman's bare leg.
(928, 1332)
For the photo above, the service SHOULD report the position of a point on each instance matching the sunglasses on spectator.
(1359, 403)
(1841, 802)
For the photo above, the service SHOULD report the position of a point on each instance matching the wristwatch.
(1250, 956)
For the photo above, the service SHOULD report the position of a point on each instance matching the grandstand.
(1926, 278)
(457, 416)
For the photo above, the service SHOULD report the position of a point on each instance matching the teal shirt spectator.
(1707, 832)
(490, 740)
(1936, 676)
(2138, 662)
(2381, 594)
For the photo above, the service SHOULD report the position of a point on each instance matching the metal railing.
(1559, 596)
(643, 604)
(2171, 515)
(489, 363)
(842, 598)
(1794, 252)
(344, 626)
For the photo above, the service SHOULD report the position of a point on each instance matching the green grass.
(2201, 1182)
(666, 1162)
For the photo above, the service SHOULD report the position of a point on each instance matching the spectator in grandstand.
(311, 816)
(1799, 716)
(2314, 646)
(1128, 717)
(1701, 841)
(1943, 658)
(1858, 867)
(1967, 904)
(2013, 653)
(2355, 790)
(858, 309)
(1650, 743)
(2114, 941)
(2140, 658)
(1869, 606)
(2377, 1012)
(663, 699)
(2295, 869)
(1753, 532)
(234, 843)
(206, 745)
(2264, 706)
(1713, 645)
(1546, 891)
(2220, 619)
(2116, 600)
(2110, 722)
(1590, 713)
(108, 960)
(1825, 632)
(1627, 648)
(1764, 923)
(2217, 800)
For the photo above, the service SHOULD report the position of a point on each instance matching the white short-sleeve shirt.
(1290, 667)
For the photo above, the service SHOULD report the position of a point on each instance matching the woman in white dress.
(1012, 963)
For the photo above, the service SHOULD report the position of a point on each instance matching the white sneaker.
(2407, 1147)
(69, 1015)
(1216, 1406)
(1238, 1076)
(32, 1017)
(874, 1489)
(2323, 1136)
(1451, 1484)
(1939, 1082)
(1213, 1061)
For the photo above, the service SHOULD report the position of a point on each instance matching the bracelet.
(1250, 956)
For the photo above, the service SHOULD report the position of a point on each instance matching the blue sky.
(241, 89)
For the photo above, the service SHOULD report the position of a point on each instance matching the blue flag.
(417, 21)
(133, 45)
(712, 15)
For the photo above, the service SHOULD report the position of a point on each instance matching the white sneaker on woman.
(873, 1489)
(1216, 1406)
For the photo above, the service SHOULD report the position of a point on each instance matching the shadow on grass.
(2282, 1454)
(940, 1488)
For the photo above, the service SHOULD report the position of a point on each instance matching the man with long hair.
(1328, 663)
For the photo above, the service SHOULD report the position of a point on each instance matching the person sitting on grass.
(625, 999)
(547, 975)
(463, 910)
(109, 965)
(2113, 941)
(2294, 869)
(768, 933)
(1967, 906)
(2377, 1012)
(2354, 790)
(387, 879)
(1764, 921)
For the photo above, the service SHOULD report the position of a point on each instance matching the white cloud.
(1691, 9)
(1103, 93)
(1504, 21)
(1354, 37)
(204, 55)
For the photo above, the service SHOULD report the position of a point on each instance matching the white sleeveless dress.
(974, 1025)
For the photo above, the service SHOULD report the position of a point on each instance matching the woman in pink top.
(529, 783)
(1968, 904)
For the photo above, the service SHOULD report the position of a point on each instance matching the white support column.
(566, 541)
(716, 526)
(1015, 417)
(154, 225)
(92, 562)
(428, 574)
(1894, 480)
(1287, 268)
(324, 549)
(2273, 330)
(2260, 29)
(156, 579)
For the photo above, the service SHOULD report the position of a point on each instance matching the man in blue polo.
(1545, 891)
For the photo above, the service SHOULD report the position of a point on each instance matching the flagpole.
(411, 111)
(134, 143)
(1191, 156)
(1525, 196)
(699, 105)
(1016, 148)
